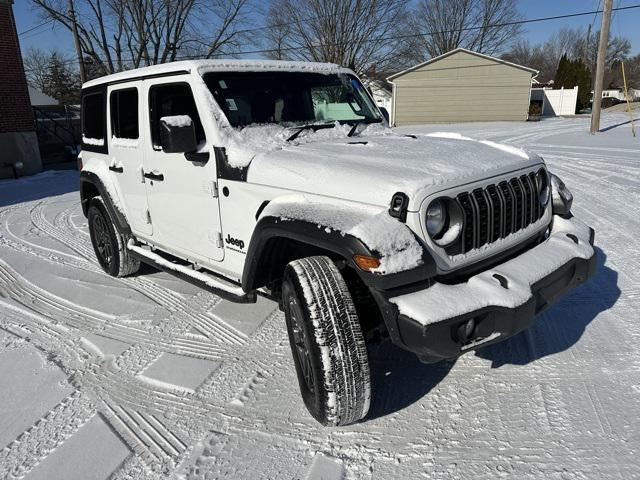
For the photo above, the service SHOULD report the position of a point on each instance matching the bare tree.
(53, 73)
(354, 33)
(545, 57)
(523, 53)
(485, 26)
(120, 34)
(571, 42)
(632, 67)
(618, 49)
(36, 66)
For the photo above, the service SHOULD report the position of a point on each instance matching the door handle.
(154, 176)
(202, 157)
(116, 169)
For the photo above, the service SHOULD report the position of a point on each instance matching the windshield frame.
(371, 111)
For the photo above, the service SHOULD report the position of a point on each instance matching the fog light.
(465, 330)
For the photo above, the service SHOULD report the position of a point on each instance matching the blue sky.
(625, 23)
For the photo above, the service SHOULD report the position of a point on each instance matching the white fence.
(556, 102)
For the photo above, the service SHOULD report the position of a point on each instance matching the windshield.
(290, 98)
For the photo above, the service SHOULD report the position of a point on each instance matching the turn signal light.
(366, 263)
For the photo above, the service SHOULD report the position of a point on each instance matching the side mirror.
(177, 134)
(385, 114)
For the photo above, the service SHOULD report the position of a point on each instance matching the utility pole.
(626, 97)
(585, 52)
(72, 14)
(602, 53)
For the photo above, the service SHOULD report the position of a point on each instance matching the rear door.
(182, 193)
(126, 141)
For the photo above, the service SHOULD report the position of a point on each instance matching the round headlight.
(436, 216)
(544, 189)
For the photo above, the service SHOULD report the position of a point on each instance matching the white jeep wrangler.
(283, 179)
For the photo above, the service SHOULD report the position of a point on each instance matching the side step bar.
(220, 287)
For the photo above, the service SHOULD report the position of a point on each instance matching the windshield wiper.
(362, 122)
(311, 126)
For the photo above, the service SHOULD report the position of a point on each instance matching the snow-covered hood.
(370, 169)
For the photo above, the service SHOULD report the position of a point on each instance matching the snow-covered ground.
(148, 376)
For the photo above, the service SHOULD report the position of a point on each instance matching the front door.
(126, 140)
(182, 193)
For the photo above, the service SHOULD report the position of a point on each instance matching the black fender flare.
(342, 244)
(90, 178)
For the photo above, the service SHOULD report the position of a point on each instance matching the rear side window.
(168, 100)
(93, 119)
(124, 113)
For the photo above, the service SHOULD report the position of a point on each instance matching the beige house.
(461, 86)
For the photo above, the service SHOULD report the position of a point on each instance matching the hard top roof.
(203, 66)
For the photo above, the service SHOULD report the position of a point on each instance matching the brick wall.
(16, 114)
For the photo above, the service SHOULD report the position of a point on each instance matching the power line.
(407, 36)
(416, 35)
(595, 16)
(46, 22)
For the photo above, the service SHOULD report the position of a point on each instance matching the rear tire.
(327, 344)
(109, 246)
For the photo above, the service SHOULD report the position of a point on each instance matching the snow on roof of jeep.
(203, 66)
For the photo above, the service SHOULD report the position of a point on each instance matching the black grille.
(496, 211)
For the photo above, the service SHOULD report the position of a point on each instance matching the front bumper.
(502, 300)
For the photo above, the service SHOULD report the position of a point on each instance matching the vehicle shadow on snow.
(562, 325)
(399, 379)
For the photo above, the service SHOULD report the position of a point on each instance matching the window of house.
(124, 113)
(93, 119)
(169, 100)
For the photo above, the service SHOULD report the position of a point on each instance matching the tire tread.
(333, 314)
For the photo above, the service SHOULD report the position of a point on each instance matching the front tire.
(327, 344)
(109, 246)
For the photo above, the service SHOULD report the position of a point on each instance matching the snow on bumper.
(501, 300)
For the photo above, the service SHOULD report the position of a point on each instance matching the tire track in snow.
(256, 362)
(43, 302)
(58, 340)
(143, 357)
(23, 454)
(65, 220)
(151, 440)
(133, 468)
(208, 324)
(212, 327)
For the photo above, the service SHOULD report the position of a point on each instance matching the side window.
(168, 100)
(124, 113)
(93, 119)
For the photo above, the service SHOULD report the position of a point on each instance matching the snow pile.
(441, 302)
(372, 173)
(98, 142)
(507, 148)
(177, 121)
(124, 142)
(451, 234)
(389, 238)
(244, 145)
(270, 65)
(498, 146)
(392, 240)
(449, 135)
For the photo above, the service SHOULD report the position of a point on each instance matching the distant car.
(609, 102)
(283, 179)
